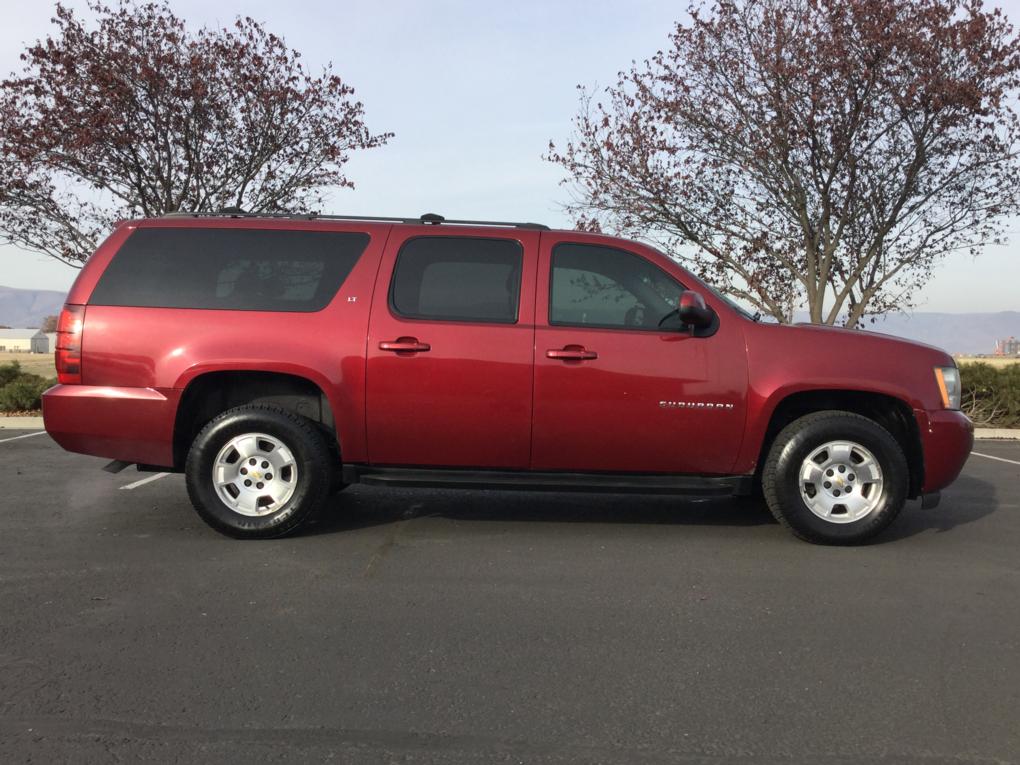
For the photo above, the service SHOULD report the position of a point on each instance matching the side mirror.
(693, 311)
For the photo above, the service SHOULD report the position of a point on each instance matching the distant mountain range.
(958, 333)
(28, 308)
(961, 334)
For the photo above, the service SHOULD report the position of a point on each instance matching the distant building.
(24, 341)
(1008, 347)
(52, 338)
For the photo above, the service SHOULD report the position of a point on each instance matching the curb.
(1008, 434)
(21, 423)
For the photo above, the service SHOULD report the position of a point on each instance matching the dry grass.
(34, 363)
(997, 362)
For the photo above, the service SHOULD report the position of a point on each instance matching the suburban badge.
(694, 405)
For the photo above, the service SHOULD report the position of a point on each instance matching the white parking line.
(27, 435)
(144, 481)
(993, 457)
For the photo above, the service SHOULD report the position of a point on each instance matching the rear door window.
(458, 279)
(231, 269)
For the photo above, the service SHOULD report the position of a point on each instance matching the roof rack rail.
(427, 218)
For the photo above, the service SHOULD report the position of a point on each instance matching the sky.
(474, 92)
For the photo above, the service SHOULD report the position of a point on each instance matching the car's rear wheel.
(258, 472)
(835, 478)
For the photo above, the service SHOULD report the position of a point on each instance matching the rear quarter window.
(229, 269)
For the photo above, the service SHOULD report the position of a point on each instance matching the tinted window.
(458, 279)
(238, 269)
(603, 287)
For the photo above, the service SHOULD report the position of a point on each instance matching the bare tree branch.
(136, 115)
(829, 153)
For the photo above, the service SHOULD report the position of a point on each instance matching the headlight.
(948, 379)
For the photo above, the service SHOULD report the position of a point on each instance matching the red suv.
(276, 360)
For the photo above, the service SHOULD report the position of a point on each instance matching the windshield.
(717, 293)
(733, 304)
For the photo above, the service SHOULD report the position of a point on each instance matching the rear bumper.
(947, 437)
(130, 424)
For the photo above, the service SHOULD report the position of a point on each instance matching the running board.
(637, 483)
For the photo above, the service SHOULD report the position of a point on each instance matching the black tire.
(336, 473)
(336, 483)
(797, 441)
(311, 455)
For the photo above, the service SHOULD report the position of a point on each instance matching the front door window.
(594, 286)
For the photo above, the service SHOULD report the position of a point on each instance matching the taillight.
(68, 355)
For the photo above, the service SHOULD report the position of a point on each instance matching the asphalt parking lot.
(471, 627)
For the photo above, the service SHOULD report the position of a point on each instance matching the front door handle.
(404, 345)
(571, 353)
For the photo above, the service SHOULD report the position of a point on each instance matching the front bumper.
(947, 437)
(130, 424)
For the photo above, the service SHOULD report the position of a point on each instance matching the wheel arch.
(209, 393)
(891, 412)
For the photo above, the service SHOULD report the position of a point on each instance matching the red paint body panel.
(466, 402)
(947, 438)
(167, 348)
(487, 395)
(131, 424)
(786, 360)
(605, 414)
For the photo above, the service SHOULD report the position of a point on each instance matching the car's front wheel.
(256, 472)
(835, 478)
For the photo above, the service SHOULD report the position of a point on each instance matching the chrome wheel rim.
(841, 482)
(255, 474)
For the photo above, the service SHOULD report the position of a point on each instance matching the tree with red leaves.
(135, 115)
(818, 153)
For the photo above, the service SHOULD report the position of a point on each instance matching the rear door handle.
(404, 345)
(571, 353)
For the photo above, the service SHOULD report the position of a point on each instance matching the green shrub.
(9, 372)
(21, 392)
(991, 395)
